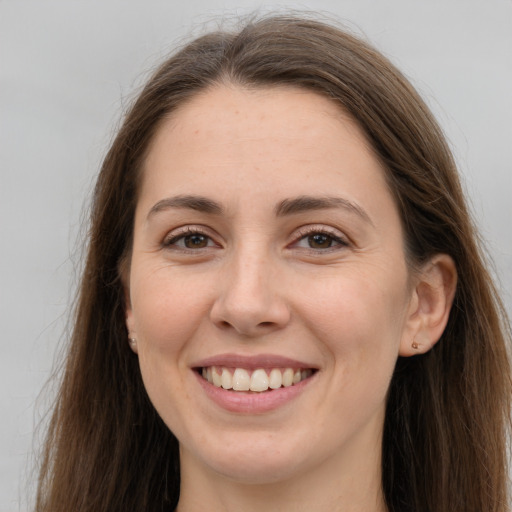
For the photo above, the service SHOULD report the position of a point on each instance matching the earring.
(414, 345)
(132, 342)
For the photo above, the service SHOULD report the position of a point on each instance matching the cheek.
(167, 309)
(358, 320)
(355, 305)
(167, 312)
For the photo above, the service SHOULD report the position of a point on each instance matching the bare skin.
(265, 229)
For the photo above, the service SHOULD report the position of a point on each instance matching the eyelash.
(334, 239)
(189, 231)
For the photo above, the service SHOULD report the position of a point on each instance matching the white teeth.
(275, 379)
(260, 379)
(241, 380)
(216, 377)
(226, 379)
(287, 377)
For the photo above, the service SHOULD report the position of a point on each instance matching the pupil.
(195, 241)
(319, 241)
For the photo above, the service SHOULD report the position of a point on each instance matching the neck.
(334, 486)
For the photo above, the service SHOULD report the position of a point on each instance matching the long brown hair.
(446, 425)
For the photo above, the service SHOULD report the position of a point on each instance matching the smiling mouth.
(258, 380)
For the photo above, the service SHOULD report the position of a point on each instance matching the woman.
(284, 305)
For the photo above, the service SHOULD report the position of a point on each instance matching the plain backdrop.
(68, 69)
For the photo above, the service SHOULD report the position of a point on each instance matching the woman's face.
(267, 247)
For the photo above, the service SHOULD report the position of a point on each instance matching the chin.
(257, 470)
(255, 462)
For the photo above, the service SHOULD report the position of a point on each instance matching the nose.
(251, 297)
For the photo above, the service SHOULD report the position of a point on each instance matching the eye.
(319, 240)
(189, 239)
(197, 241)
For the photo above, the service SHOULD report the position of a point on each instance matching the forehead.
(229, 109)
(284, 140)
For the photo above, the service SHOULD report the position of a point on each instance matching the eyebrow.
(286, 207)
(308, 203)
(192, 202)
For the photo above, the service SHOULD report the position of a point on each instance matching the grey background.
(68, 67)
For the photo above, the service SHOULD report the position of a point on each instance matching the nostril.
(249, 316)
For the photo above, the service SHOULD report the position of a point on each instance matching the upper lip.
(252, 362)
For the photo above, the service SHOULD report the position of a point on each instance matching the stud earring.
(132, 341)
(414, 345)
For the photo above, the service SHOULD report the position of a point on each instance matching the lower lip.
(254, 403)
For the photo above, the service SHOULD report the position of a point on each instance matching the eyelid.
(338, 236)
(340, 239)
(183, 231)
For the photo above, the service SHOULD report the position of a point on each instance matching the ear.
(130, 321)
(429, 309)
